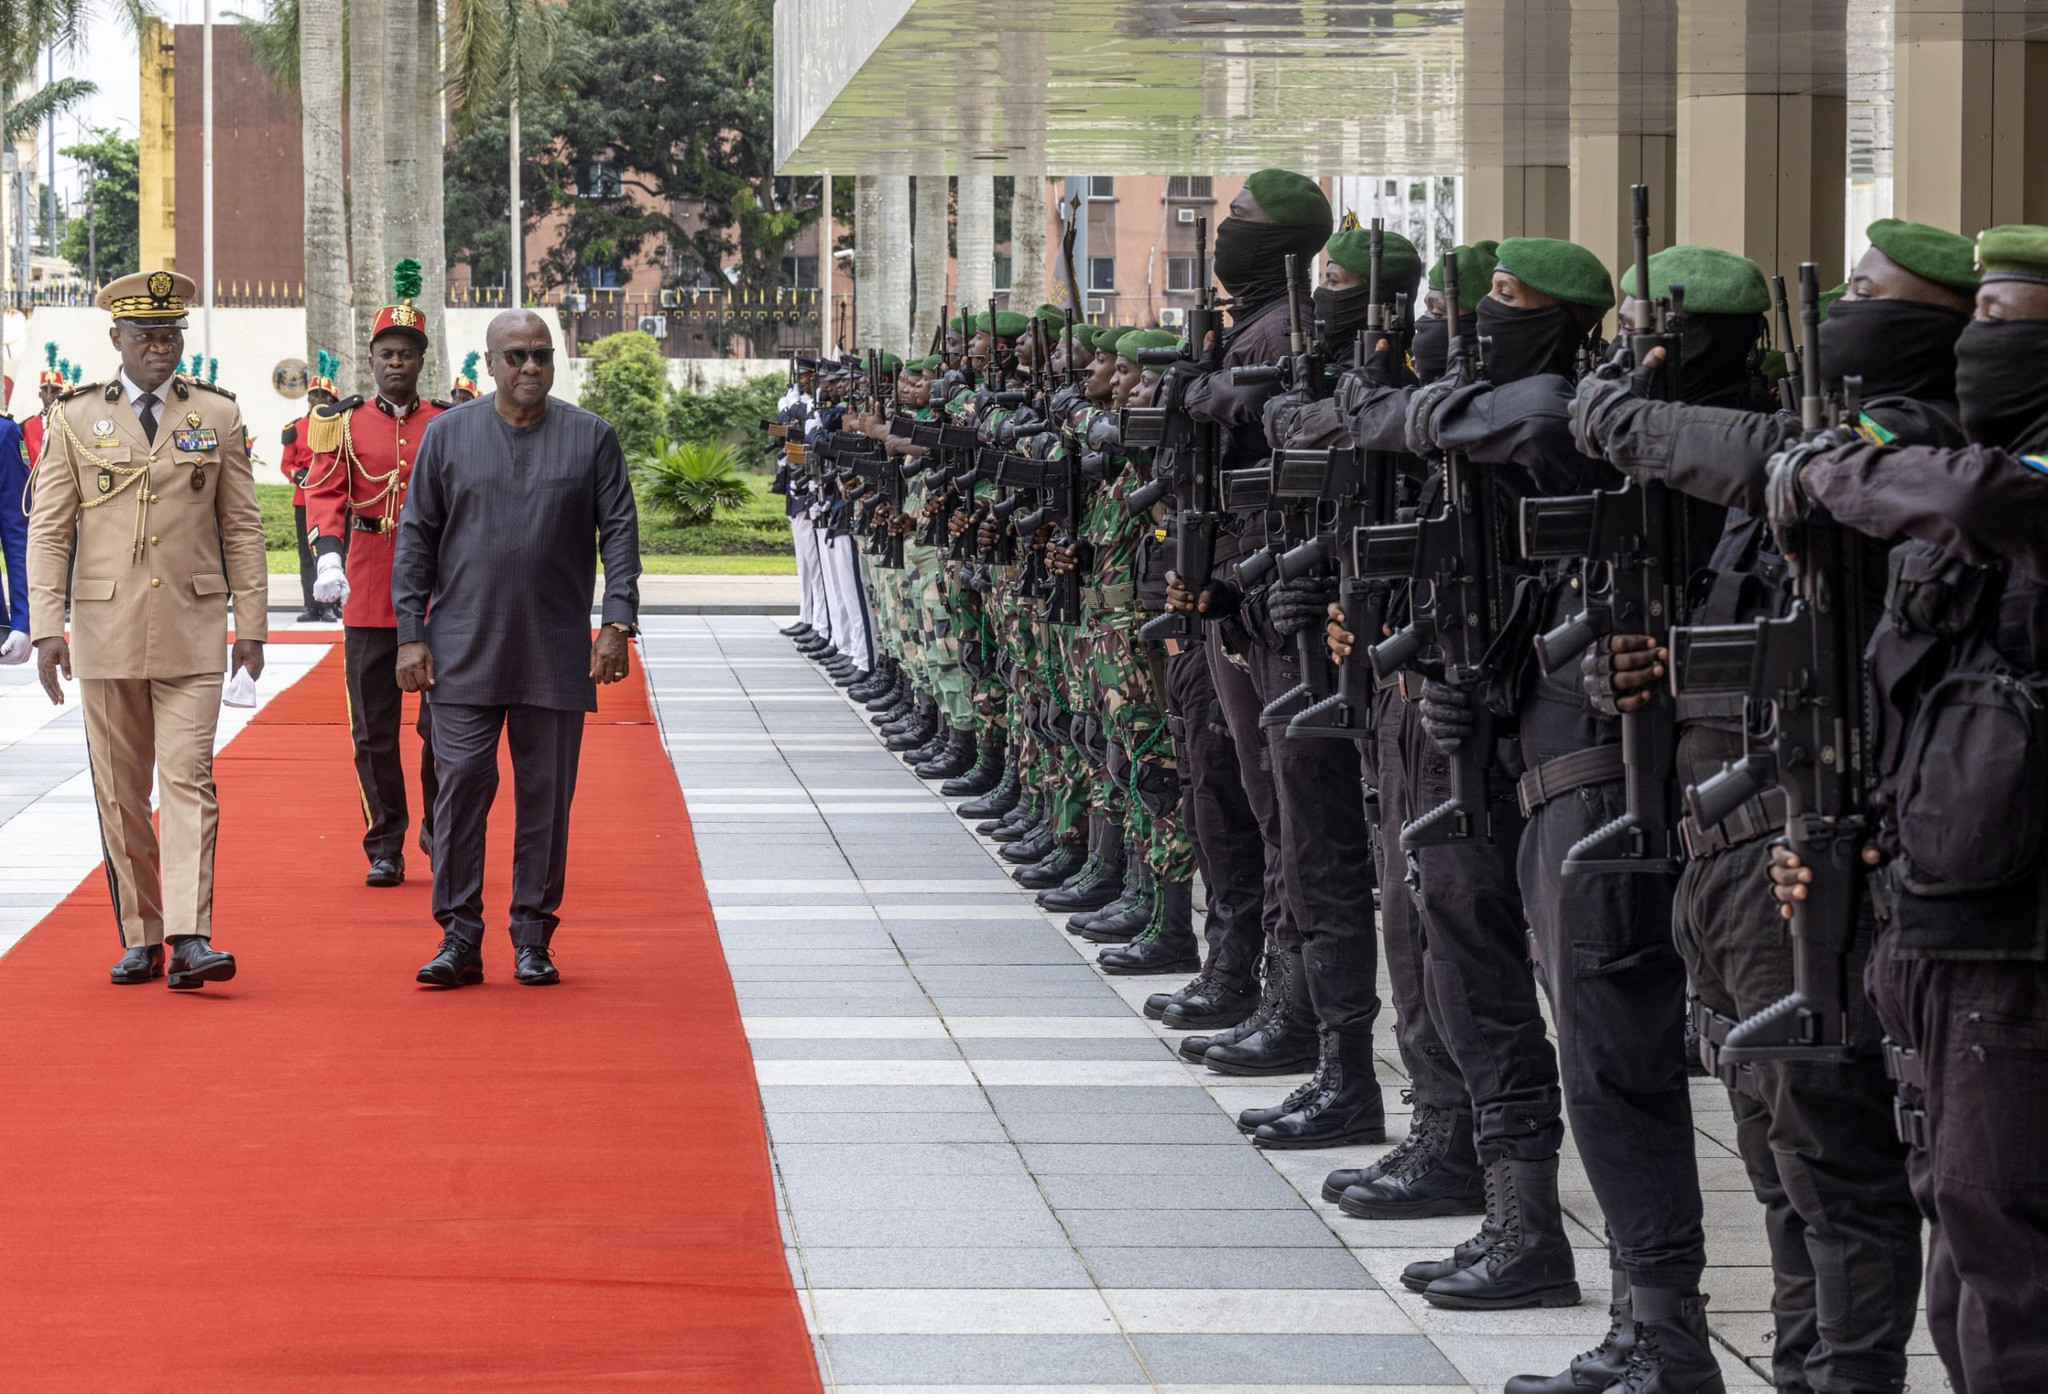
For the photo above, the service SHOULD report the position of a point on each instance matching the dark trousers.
(1220, 819)
(1476, 958)
(1326, 857)
(545, 746)
(1819, 1143)
(306, 563)
(1979, 1030)
(376, 708)
(1240, 703)
(1617, 998)
(1432, 1074)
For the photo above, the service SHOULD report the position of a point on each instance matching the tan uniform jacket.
(166, 531)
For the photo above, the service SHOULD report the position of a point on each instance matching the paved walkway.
(996, 1172)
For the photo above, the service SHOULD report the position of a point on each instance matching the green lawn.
(751, 541)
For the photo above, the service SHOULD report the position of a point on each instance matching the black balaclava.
(1251, 261)
(1340, 316)
(1717, 359)
(1900, 348)
(1431, 347)
(2002, 379)
(1529, 342)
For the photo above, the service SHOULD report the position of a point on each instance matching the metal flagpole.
(206, 184)
(827, 270)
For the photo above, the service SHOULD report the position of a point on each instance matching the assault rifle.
(1801, 676)
(1457, 610)
(1634, 542)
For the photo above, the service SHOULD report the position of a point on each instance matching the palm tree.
(1027, 241)
(881, 239)
(498, 49)
(366, 208)
(317, 54)
(401, 81)
(976, 219)
(433, 239)
(929, 251)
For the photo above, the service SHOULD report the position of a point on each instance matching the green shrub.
(731, 415)
(692, 480)
(628, 386)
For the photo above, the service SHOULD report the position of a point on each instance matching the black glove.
(1421, 422)
(1787, 504)
(1596, 678)
(1294, 606)
(1593, 406)
(1449, 714)
(1385, 368)
(1105, 432)
(1280, 413)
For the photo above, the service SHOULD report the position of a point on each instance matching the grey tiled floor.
(994, 1172)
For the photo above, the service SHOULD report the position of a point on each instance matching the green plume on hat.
(77, 373)
(212, 369)
(50, 353)
(406, 282)
(469, 363)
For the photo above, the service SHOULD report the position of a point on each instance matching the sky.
(107, 58)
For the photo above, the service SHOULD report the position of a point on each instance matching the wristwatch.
(629, 630)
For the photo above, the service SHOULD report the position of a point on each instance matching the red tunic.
(296, 458)
(356, 492)
(32, 435)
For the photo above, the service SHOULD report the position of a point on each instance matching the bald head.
(516, 328)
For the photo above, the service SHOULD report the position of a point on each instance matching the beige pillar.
(1624, 123)
(1971, 116)
(1518, 177)
(1762, 130)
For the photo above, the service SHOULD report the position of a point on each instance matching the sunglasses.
(517, 358)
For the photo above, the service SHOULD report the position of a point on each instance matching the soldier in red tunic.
(295, 463)
(50, 385)
(362, 457)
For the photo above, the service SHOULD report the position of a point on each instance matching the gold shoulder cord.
(128, 476)
(388, 482)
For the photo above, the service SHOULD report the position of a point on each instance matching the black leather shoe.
(897, 694)
(1599, 1368)
(1673, 1352)
(1529, 1263)
(983, 775)
(458, 963)
(1286, 1043)
(139, 965)
(534, 965)
(1195, 1049)
(386, 871)
(799, 630)
(1348, 1110)
(195, 962)
(1435, 1171)
(1052, 869)
(1250, 1120)
(1210, 1004)
(853, 677)
(426, 841)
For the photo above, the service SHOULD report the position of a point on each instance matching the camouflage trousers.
(929, 621)
(1121, 691)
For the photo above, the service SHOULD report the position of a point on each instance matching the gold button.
(152, 542)
(152, 498)
(401, 441)
(154, 582)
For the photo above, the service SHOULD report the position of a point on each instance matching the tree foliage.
(692, 480)
(628, 386)
(729, 415)
(114, 160)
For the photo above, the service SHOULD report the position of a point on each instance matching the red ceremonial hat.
(403, 317)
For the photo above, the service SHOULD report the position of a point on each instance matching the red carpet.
(322, 1177)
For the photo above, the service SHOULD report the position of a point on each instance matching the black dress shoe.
(799, 630)
(196, 962)
(140, 964)
(386, 871)
(1210, 1004)
(458, 963)
(534, 965)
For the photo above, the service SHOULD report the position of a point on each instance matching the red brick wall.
(258, 190)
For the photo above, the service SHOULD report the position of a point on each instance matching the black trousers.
(1482, 993)
(376, 708)
(1220, 820)
(1240, 704)
(1326, 857)
(545, 746)
(1979, 1029)
(1819, 1143)
(306, 561)
(1617, 997)
(1433, 1076)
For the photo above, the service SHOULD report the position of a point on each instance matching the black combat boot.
(1529, 1263)
(986, 772)
(1434, 1172)
(932, 746)
(879, 681)
(1286, 1043)
(1130, 921)
(1348, 1109)
(916, 724)
(1062, 860)
(1101, 878)
(956, 759)
(1673, 1353)
(1251, 1120)
(1036, 844)
(1195, 1049)
(1599, 1368)
(999, 800)
(1018, 824)
(1167, 944)
(1417, 1276)
(1209, 1003)
(897, 694)
(1134, 896)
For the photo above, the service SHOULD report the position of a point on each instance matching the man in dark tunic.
(513, 497)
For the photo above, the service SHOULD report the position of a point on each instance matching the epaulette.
(81, 390)
(214, 387)
(323, 427)
(441, 403)
(291, 433)
(347, 404)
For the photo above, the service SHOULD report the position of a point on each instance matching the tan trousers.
(162, 885)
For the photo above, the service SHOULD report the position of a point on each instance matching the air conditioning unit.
(1187, 215)
(1171, 318)
(654, 326)
(575, 303)
(1095, 305)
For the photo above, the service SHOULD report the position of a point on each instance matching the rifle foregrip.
(1258, 376)
(1141, 499)
(1255, 569)
(1391, 655)
(1299, 561)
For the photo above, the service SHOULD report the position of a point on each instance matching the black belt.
(1713, 1029)
(358, 522)
(1554, 779)
(1761, 816)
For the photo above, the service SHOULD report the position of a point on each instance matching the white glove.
(239, 691)
(15, 648)
(330, 580)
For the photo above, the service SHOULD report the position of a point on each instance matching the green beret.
(956, 326)
(1559, 269)
(890, 362)
(1009, 324)
(1084, 335)
(919, 365)
(1106, 339)
(1827, 298)
(1053, 315)
(1945, 258)
(1475, 273)
(1399, 261)
(1129, 344)
(1716, 282)
(1290, 199)
(2013, 252)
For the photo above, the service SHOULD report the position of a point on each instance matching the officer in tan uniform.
(152, 472)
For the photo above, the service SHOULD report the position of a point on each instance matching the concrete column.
(976, 217)
(1971, 115)
(931, 239)
(881, 260)
(1518, 177)
(1624, 123)
(1763, 142)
